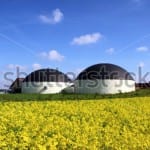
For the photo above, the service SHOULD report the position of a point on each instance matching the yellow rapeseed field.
(116, 124)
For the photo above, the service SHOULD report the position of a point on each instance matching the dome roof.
(47, 75)
(104, 71)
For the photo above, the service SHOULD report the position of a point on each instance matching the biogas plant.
(100, 78)
(45, 81)
(104, 79)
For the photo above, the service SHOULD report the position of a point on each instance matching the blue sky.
(73, 34)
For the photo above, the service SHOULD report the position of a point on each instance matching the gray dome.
(47, 75)
(104, 71)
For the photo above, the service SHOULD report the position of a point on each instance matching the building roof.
(17, 83)
(47, 75)
(104, 71)
(142, 85)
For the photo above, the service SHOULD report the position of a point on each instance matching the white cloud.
(142, 49)
(87, 39)
(14, 66)
(36, 66)
(54, 18)
(52, 55)
(110, 51)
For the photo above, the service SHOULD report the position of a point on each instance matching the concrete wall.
(43, 87)
(104, 86)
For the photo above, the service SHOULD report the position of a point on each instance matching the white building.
(45, 81)
(104, 79)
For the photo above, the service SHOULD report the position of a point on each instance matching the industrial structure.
(45, 81)
(15, 87)
(104, 79)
